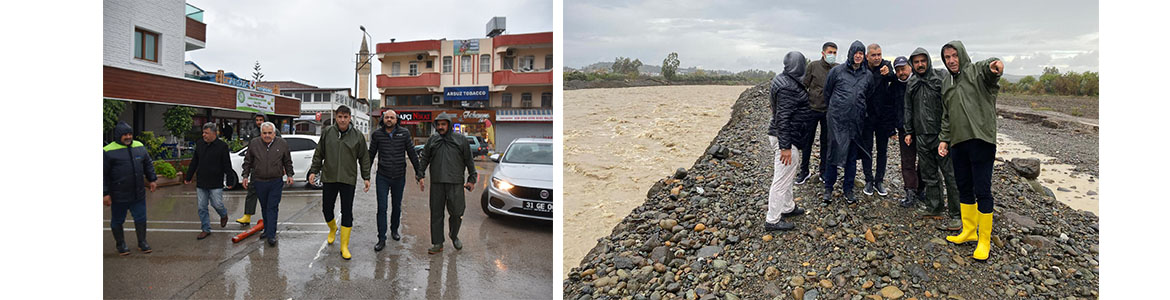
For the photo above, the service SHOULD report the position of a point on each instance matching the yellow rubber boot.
(247, 219)
(332, 228)
(970, 216)
(984, 247)
(345, 242)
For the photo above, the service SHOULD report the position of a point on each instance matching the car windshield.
(529, 153)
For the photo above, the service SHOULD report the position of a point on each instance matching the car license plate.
(538, 206)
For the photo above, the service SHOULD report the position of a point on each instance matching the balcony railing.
(195, 13)
(422, 80)
(508, 77)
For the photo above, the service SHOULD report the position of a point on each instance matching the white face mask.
(830, 58)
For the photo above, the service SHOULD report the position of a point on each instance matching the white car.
(522, 182)
(301, 147)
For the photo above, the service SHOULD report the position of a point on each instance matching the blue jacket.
(125, 167)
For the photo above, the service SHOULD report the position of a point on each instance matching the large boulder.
(1027, 167)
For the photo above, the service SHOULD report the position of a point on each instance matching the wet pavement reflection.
(502, 258)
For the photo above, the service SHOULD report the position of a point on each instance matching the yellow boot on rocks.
(984, 247)
(970, 216)
(345, 242)
(247, 219)
(332, 228)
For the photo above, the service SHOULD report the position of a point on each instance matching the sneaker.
(779, 225)
(802, 177)
(881, 190)
(850, 198)
(827, 199)
(868, 189)
(796, 211)
(435, 249)
(458, 244)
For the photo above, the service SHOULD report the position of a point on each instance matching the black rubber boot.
(120, 242)
(140, 230)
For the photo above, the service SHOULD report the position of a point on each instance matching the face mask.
(830, 58)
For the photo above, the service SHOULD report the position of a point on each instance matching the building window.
(528, 63)
(395, 69)
(414, 68)
(526, 100)
(446, 64)
(506, 100)
(465, 64)
(485, 63)
(430, 65)
(145, 45)
(548, 62)
(546, 100)
(508, 63)
(390, 101)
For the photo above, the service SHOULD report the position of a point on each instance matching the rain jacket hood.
(120, 130)
(794, 65)
(847, 90)
(964, 59)
(969, 100)
(922, 113)
(857, 46)
(791, 111)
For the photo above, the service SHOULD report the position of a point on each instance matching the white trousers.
(783, 177)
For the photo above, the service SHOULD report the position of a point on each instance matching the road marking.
(222, 230)
(319, 251)
(197, 222)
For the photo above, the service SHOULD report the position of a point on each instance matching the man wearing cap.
(339, 156)
(906, 151)
(125, 163)
(814, 82)
(447, 154)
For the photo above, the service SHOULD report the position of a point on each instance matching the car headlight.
(501, 184)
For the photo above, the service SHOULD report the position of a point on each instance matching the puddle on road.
(1054, 175)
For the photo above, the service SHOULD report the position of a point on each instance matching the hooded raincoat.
(847, 87)
(969, 95)
(790, 107)
(922, 113)
(124, 167)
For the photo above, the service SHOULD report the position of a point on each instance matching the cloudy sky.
(314, 42)
(741, 35)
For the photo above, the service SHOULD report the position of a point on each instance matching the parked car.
(522, 182)
(478, 145)
(301, 147)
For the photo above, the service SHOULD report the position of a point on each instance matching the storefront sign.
(524, 115)
(255, 102)
(465, 93)
(414, 117)
(463, 47)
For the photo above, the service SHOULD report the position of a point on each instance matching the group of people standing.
(341, 156)
(942, 119)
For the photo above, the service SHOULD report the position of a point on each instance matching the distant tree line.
(1054, 83)
(624, 68)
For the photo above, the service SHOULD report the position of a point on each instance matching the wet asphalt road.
(502, 258)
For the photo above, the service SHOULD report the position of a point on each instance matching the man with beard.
(125, 163)
(814, 81)
(848, 86)
(968, 124)
(447, 154)
(391, 145)
(923, 116)
(339, 155)
(790, 114)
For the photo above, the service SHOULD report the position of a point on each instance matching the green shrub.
(165, 169)
(153, 144)
(111, 109)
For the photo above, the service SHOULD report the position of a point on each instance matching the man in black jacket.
(125, 163)
(790, 114)
(847, 88)
(394, 144)
(212, 162)
(879, 122)
(814, 81)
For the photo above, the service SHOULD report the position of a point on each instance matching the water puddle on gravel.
(1070, 187)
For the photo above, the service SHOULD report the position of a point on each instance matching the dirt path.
(620, 141)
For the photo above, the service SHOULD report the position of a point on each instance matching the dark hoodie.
(447, 155)
(970, 100)
(847, 89)
(790, 107)
(922, 114)
(124, 167)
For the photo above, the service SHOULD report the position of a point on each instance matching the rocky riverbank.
(699, 235)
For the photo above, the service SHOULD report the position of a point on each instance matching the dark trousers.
(909, 154)
(118, 216)
(329, 194)
(268, 194)
(393, 187)
(973, 160)
(868, 142)
(250, 200)
(935, 171)
(850, 173)
(806, 143)
(449, 197)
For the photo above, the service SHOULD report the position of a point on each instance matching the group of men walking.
(340, 157)
(942, 119)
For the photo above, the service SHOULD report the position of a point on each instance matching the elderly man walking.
(267, 161)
